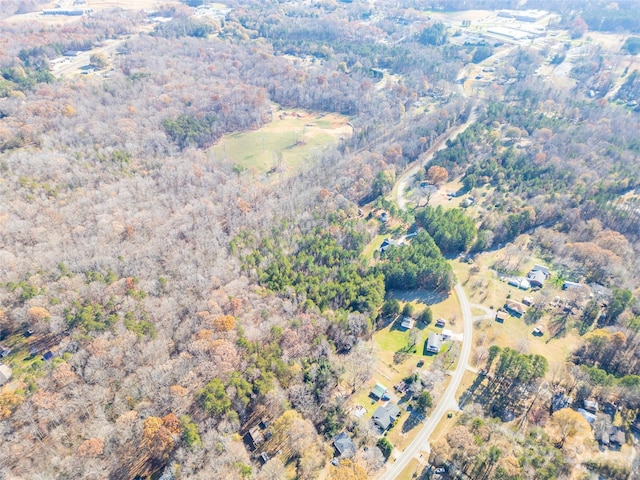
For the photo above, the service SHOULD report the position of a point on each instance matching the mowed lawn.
(283, 144)
(483, 287)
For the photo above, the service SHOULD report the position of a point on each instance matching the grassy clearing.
(283, 144)
(413, 468)
(386, 342)
(373, 245)
(484, 287)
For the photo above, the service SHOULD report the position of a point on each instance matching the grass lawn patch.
(283, 144)
(412, 470)
(373, 246)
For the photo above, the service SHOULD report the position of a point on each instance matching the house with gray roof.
(344, 445)
(434, 343)
(385, 416)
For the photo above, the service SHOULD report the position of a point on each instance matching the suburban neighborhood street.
(447, 402)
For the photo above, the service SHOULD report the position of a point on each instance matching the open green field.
(283, 144)
(484, 287)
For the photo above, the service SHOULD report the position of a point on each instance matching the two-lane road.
(448, 400)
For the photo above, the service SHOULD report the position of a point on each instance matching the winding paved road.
(448, 400)
(441, 144)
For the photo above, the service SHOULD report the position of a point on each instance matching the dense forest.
(160, 301)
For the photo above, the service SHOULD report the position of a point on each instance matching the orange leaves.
(63, 375)
(204, 335)
(437, 174)
(172, 423)
(130, 283)
(159, 433)
(244, 206)
(235, 305)
(68, 110)
(8, 403)
(178, 390)
(348, 470)
(38, 313)
(94, 447)
(224, 323)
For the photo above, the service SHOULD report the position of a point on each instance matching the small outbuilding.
(408, 323)
(516, 309)
(5, 374)
(591, 406)
(378, 391)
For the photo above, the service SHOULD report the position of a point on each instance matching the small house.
(4, 351)
(48, 356)
(446, 334)
(538, 331)
(501, 315)
(440, 322)
(536, 278)
(617, 437)
(407, 323)
(516, 309)
(571, 286)
(541, 268)
(538, 275)
(385, 416)
(344, 445)
(5, 374)
(254, 438)
(378, 391)
(591, 406)
(384, 217)
(264, 457)
(434, 343)
(528, 301)
(388, 243)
